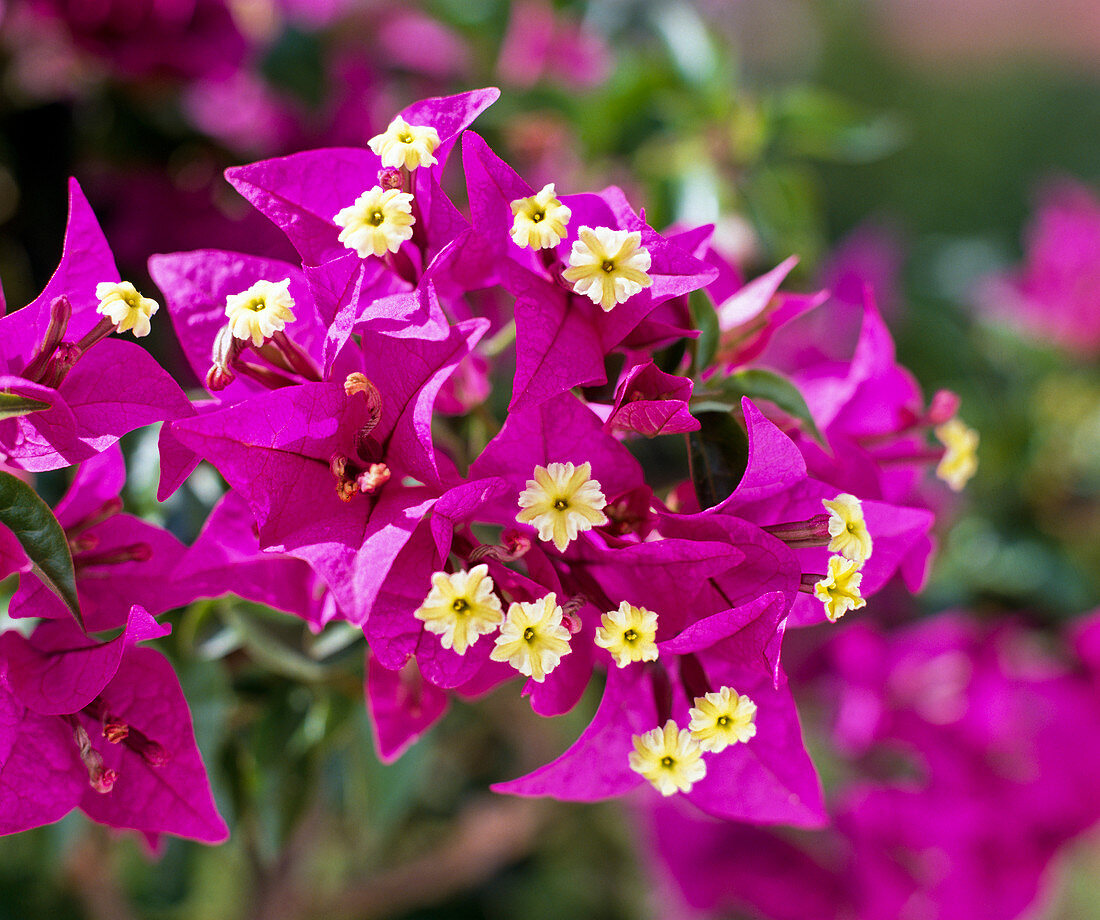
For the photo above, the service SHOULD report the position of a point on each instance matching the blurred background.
(944, 152)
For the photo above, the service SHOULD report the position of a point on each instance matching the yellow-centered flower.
(461, 608)
(121, 303)
(669, 758)
(261, 311)
(839, 589)
(533, 639)
(848, 529)
(721, 719)
(378, 221)
(629, 634)
(561, 501)
(608, 266)
(960, 462)
(402, 144)
(540, 220)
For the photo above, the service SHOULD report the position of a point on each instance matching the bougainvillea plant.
(428, 427)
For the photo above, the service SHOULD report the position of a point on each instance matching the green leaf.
(758, 384)
(42, 539)
(719, 454)
(13, 405)
(705, 318)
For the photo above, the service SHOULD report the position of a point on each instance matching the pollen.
(402, 144)
(540, 220)
(461, 608)
(561, 501)
(608, 266)
(533, 639)
(960, 461)
(124, 306)
(839, 589)
(721, 719)
(629, 634)
(261, 311)
(669, 758)
(847, 528)
(378, 221)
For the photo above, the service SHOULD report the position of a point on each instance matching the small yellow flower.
(540, 220)
(721, 719)
(378, 221)
(608, 266)
(839, 589)
(960, 462)
(533, 639)
(402, 144)
(669, 758)
(125, 307)
(629, 634)
(848, 529)
(561, 501)
(461, 608)
(261, 311)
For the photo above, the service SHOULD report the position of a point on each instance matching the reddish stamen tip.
(115, 730)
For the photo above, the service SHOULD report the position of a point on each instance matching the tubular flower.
(125, 307)
(629, 634)
(379, 220)
(461, 608)
(848, 529)
(540, 220)
(669, 758)
(402, 144)
(533, 639)
(839, 589)
(261, 311)
(608, 266)
(960, 462)
(721, 719)
(561, 501)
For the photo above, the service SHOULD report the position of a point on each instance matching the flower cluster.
(372, 479)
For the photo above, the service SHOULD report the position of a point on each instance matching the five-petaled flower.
(402, 144)
(608, 266)
(125, 307)
(670, 758)
(839, 589)
(461, 607)
(561, 501)
(629, 634)
(533, 639)
(378, 222)
(261, 311)
(540, 221)
(721, 719)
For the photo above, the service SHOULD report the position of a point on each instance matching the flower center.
(608, 266)
(668, 762)
(561, 504)
(630, 635)
(460, 605)
(405, 137)
(537, 217)
(529, 634)
(376, 217)
(723, 721)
